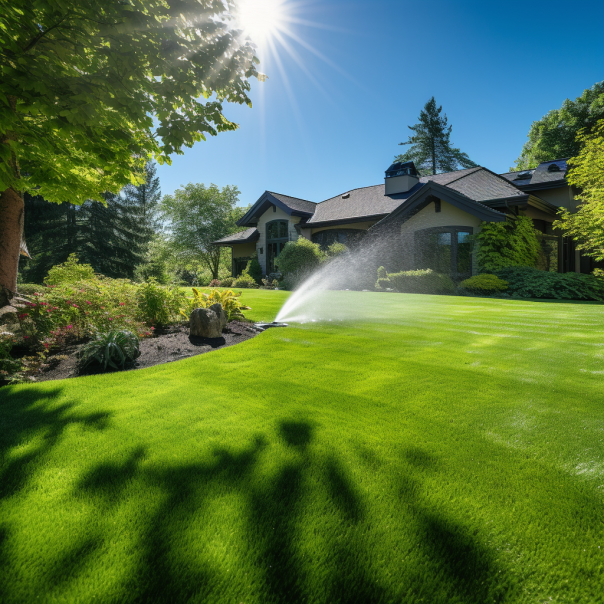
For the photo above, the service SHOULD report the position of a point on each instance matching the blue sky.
(335, 123)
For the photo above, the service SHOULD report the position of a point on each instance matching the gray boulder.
(205, 323)
(217, 308)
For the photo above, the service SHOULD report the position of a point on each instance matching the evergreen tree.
(112, 238)
(431, 149)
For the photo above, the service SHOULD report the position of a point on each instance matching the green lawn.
(443, 450)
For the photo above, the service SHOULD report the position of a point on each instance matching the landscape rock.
(205, 323)
(217, 308)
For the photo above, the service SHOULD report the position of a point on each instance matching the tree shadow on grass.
(274, 513)
(34, 413)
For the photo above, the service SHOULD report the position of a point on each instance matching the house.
(432, 218)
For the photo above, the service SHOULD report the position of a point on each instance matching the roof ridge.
(468, 172)
(291, 196)
(350, 191)
(509, 182)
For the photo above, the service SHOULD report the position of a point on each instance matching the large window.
(445, 250)
(349, 237)
(277, 236)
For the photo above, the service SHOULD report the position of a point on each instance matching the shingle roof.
(246, 236)
(358, 203)
(478, 184)
(301, 205)
(542, 174)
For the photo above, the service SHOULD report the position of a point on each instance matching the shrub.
(245, 280)
(336, 249)
(424, 281)
(298, 259)
(230, 302)
(484, 284)
(71, 311)
(215, 283)
(9, 367)
(526, 282)
(71, 271)
(254, 269)
(159, 305)
(382, 273)
(29, 289)
(111, 350)
(226, 282)
(510, 243)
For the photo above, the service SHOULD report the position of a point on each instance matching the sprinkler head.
(265, 326)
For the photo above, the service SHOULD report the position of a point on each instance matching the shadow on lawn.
(274, 513)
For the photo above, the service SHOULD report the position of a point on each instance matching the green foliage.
(245, 280)
(424, 281)
(586, 226)
(510, 243)
(159, 305)
(198, 216)
(555, 134)
(484, 284)
(381, 272)
(71, 271)
(29, 289)
(111, 350)
(528, 282)
(298, 259)
(336, 249)
(431, 149)
(231, 304)
(227, 282)
(10, 368)
(91, 89)
(254, 269)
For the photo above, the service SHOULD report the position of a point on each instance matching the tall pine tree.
(112, 238)
(431, 149)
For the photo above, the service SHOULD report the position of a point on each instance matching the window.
(277, 236)
(445, 250)
(349, 237)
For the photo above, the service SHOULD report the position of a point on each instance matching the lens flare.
(261, 19)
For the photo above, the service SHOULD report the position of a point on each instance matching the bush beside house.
(424, 281)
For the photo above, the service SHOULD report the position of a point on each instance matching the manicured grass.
(440, 450)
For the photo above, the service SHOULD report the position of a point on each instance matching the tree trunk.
(12, 211)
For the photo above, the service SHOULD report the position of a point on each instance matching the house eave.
(340, 221)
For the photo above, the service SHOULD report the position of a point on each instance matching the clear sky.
(335, 107)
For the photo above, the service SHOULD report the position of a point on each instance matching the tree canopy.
(197, 216)
(431, 149)
(555, 134)
(82, 82)
(90, 90)
(586, 173)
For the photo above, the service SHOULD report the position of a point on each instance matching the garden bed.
(172, 344)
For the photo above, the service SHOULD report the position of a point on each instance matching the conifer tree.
(112, 238)
(431, 149)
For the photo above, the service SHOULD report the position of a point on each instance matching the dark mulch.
(173, 344)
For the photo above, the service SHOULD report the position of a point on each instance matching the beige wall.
(361, 226)
(244, 250)
(427, 218)
(268, 216)
(562, 196)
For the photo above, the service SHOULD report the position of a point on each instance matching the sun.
(260, 20)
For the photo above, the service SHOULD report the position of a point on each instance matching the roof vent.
(553, 168)
(524, 175)
(346, 196)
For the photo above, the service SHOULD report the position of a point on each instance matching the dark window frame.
(274, 244)
(317, 237)
(454, 230)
